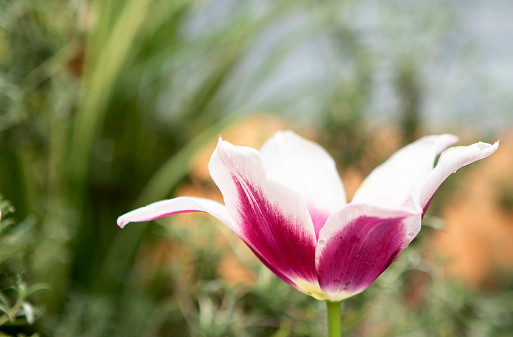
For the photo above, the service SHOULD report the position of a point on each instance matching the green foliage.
(15, 308)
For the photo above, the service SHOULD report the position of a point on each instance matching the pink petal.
(308, 168)
(357, 244)
(273, 218)
(164, 208)
(450, 161)
(403, 174)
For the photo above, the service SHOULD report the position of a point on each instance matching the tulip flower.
(288, 204)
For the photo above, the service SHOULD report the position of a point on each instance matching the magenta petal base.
(358, 254)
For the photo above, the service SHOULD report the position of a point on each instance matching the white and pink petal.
(273, 218)
(357, 244)
(450, 161)
(403, 174)
(178, 205)
(308, 168)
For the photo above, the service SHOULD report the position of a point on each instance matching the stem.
(333, 319)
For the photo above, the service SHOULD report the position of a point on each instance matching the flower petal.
(403, 174)
(273, 218)
(307, 167)
(450, 161)
(164, 208)
(357, 244)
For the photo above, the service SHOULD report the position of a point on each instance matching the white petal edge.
(450, 161)
(403, 174)
(167, 207)
(307, 167)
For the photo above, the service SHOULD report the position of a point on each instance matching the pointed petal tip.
(221, 144)
(490, 148)
(122, 222)
(451, 160)
(476, 151)
(487, 149)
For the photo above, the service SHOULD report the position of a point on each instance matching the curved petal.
(357, 244)
(403, 174)
(164, 208)
(273, 218)
(307, 167)
(450, 161)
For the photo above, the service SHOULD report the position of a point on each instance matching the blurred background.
(109, 105)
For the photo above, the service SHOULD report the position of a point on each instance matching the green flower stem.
(333, 319)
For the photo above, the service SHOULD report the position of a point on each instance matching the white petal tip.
(487, 149)
(493, 147)
(122, 222)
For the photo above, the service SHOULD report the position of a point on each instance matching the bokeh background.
(108, 105)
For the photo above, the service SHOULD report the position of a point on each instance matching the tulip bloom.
(288, 204)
